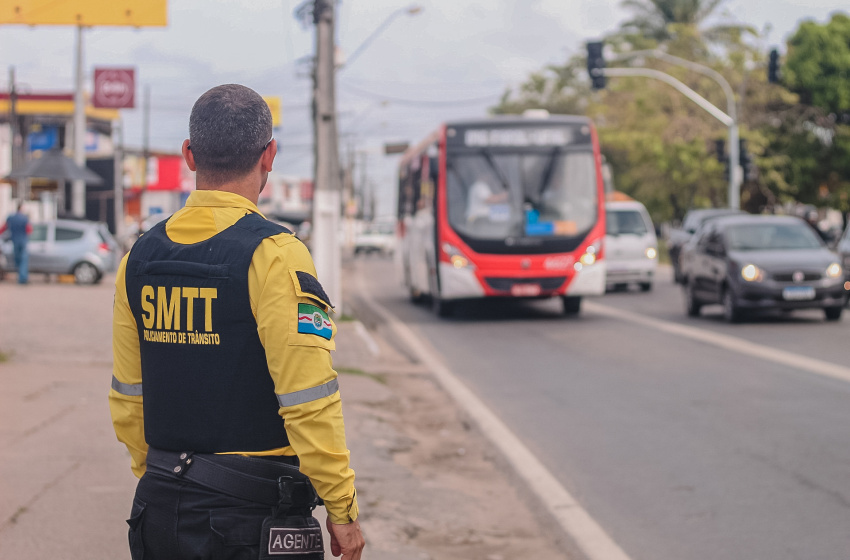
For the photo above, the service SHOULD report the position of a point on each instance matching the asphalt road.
(680, 447)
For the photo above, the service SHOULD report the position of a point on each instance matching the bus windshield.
(522, 194)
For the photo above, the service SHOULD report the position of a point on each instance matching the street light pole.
(734, 183)
(413, 9)
(735, 175)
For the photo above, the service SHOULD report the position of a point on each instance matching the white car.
(376, 238)
(631, 248)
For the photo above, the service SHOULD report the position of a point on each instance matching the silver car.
(85, 249)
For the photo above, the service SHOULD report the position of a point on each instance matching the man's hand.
(346, 540)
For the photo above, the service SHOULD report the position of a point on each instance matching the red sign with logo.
(114, 88)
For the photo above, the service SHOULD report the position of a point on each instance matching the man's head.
(229, 131)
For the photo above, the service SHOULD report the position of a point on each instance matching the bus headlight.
(456, 257)
(591, 254)
(651, 252)
(833, 270)
(752, 273)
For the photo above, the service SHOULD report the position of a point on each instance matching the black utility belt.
(276, 483)
(291, 531)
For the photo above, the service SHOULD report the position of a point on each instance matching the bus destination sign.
(517, 137)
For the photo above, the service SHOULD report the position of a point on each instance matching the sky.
(451, 60)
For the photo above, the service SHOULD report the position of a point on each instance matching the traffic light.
(595, 64)
(746, 161)
(720, 150)
(720, 154)
(773, 67)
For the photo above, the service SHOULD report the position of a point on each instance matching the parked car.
(376, 238)
(750, 263)
(677, 238)
(631, 248)
(82, 248)
(843, 249)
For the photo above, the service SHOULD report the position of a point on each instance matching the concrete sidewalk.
(428, 485)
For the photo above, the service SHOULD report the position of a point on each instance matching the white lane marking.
(588, 535)
(760, 351)
(373, 347)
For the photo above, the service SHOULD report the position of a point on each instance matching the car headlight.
(834, 270)
(651, 252)
(752, 273)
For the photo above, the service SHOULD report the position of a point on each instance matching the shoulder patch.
(312, 320)
(309, 284)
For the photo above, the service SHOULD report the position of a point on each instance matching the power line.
(420, 102)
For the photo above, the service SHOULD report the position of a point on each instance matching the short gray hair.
(228, 129)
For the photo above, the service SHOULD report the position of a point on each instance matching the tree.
(818, 64)
(664, 20)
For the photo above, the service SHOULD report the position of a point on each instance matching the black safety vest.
(205, 378)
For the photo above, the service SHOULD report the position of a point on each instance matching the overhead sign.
(114, 88)
(130, 13)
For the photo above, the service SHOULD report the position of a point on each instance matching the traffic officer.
(223, 389)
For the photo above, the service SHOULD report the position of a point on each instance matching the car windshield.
(759, 237)
(625, 222)
(522, 194)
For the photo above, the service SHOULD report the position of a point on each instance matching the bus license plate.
(798, 293)
(525, 290)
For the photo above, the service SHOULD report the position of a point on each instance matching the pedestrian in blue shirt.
(19, 226)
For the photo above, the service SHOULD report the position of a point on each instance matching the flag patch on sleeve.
(312, 320)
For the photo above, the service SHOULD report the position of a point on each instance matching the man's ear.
(267, 159)
(188, 155)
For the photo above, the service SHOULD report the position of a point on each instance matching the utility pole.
(78, 188)
(146, 134)
(118, 170)
(326, 196)
(15, 152)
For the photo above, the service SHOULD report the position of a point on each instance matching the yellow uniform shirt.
(296, 361)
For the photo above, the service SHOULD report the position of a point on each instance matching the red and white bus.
(504, 206)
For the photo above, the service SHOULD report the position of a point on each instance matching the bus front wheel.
(572, 304)
(441, 307)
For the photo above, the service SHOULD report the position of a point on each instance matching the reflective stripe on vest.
(129, 389)
(309, 395)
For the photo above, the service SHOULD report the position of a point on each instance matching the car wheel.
(731, 310)
(833, 313)
(86, 273)
(692, 304)
(645, 286)
(572, 305)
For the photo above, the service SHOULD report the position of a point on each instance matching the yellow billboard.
(131, 13)
(273, 102)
